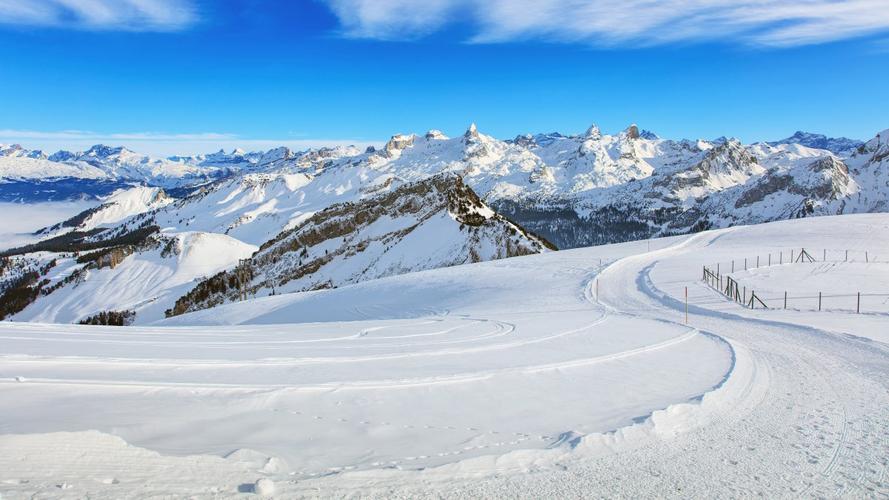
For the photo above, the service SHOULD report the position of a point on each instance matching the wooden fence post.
(819, 301)
(757, 261)
(745, 263)
(858, 304)
(782, 257)
(847, 256)
(785, 300)
(791, 256)
(825, 256)
(686, 305)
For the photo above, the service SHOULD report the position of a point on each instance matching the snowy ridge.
(837, 145)
(393, 229)
(429, 224)
(147, 279)
(23, 167)
(116, 207)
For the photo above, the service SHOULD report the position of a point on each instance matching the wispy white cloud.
(122, 15)
(161, 144)
(775, 23)
(396, 19)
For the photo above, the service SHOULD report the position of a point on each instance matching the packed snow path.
(805, 414)
(490, 389)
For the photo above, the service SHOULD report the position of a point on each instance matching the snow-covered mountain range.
(32, 175)
(335, 216)
(838, 145)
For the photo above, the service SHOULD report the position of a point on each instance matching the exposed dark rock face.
(633, 132)
(820, 141)
(365, 237)
(397, 143)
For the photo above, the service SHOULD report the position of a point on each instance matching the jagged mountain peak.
(593, 132)
(632, 132)
(276, 155)
(436, 135)
(727, 155)
(471, 132)
(11, 149)
(828, 163)
(18, 151)
(397, 143)
(874, 151)
(524, 140)
(103, 151)
(62, 156)
(836, 145)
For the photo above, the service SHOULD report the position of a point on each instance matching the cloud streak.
(100, 15)
(770, 23)
(162, 144)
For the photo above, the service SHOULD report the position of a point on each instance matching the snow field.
(474, 364)
(512, 378)
(147, 282)
(838, 284)
(803, 412)
(838, 280)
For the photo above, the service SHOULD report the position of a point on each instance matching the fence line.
(792, 255)
(731, 288)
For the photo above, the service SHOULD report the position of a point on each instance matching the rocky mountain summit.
(838, 145)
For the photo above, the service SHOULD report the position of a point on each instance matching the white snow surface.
(547, 375)
(20, 168)
(146, 282)
(124, 203)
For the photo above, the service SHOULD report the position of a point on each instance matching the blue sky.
(188, 76)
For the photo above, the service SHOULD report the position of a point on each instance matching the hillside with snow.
(145, 265)
(561, 372)
(571, 190)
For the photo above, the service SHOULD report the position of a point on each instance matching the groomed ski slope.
(520, 377)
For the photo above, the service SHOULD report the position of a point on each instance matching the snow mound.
(264, 487)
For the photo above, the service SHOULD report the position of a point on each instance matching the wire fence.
(719, 277)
